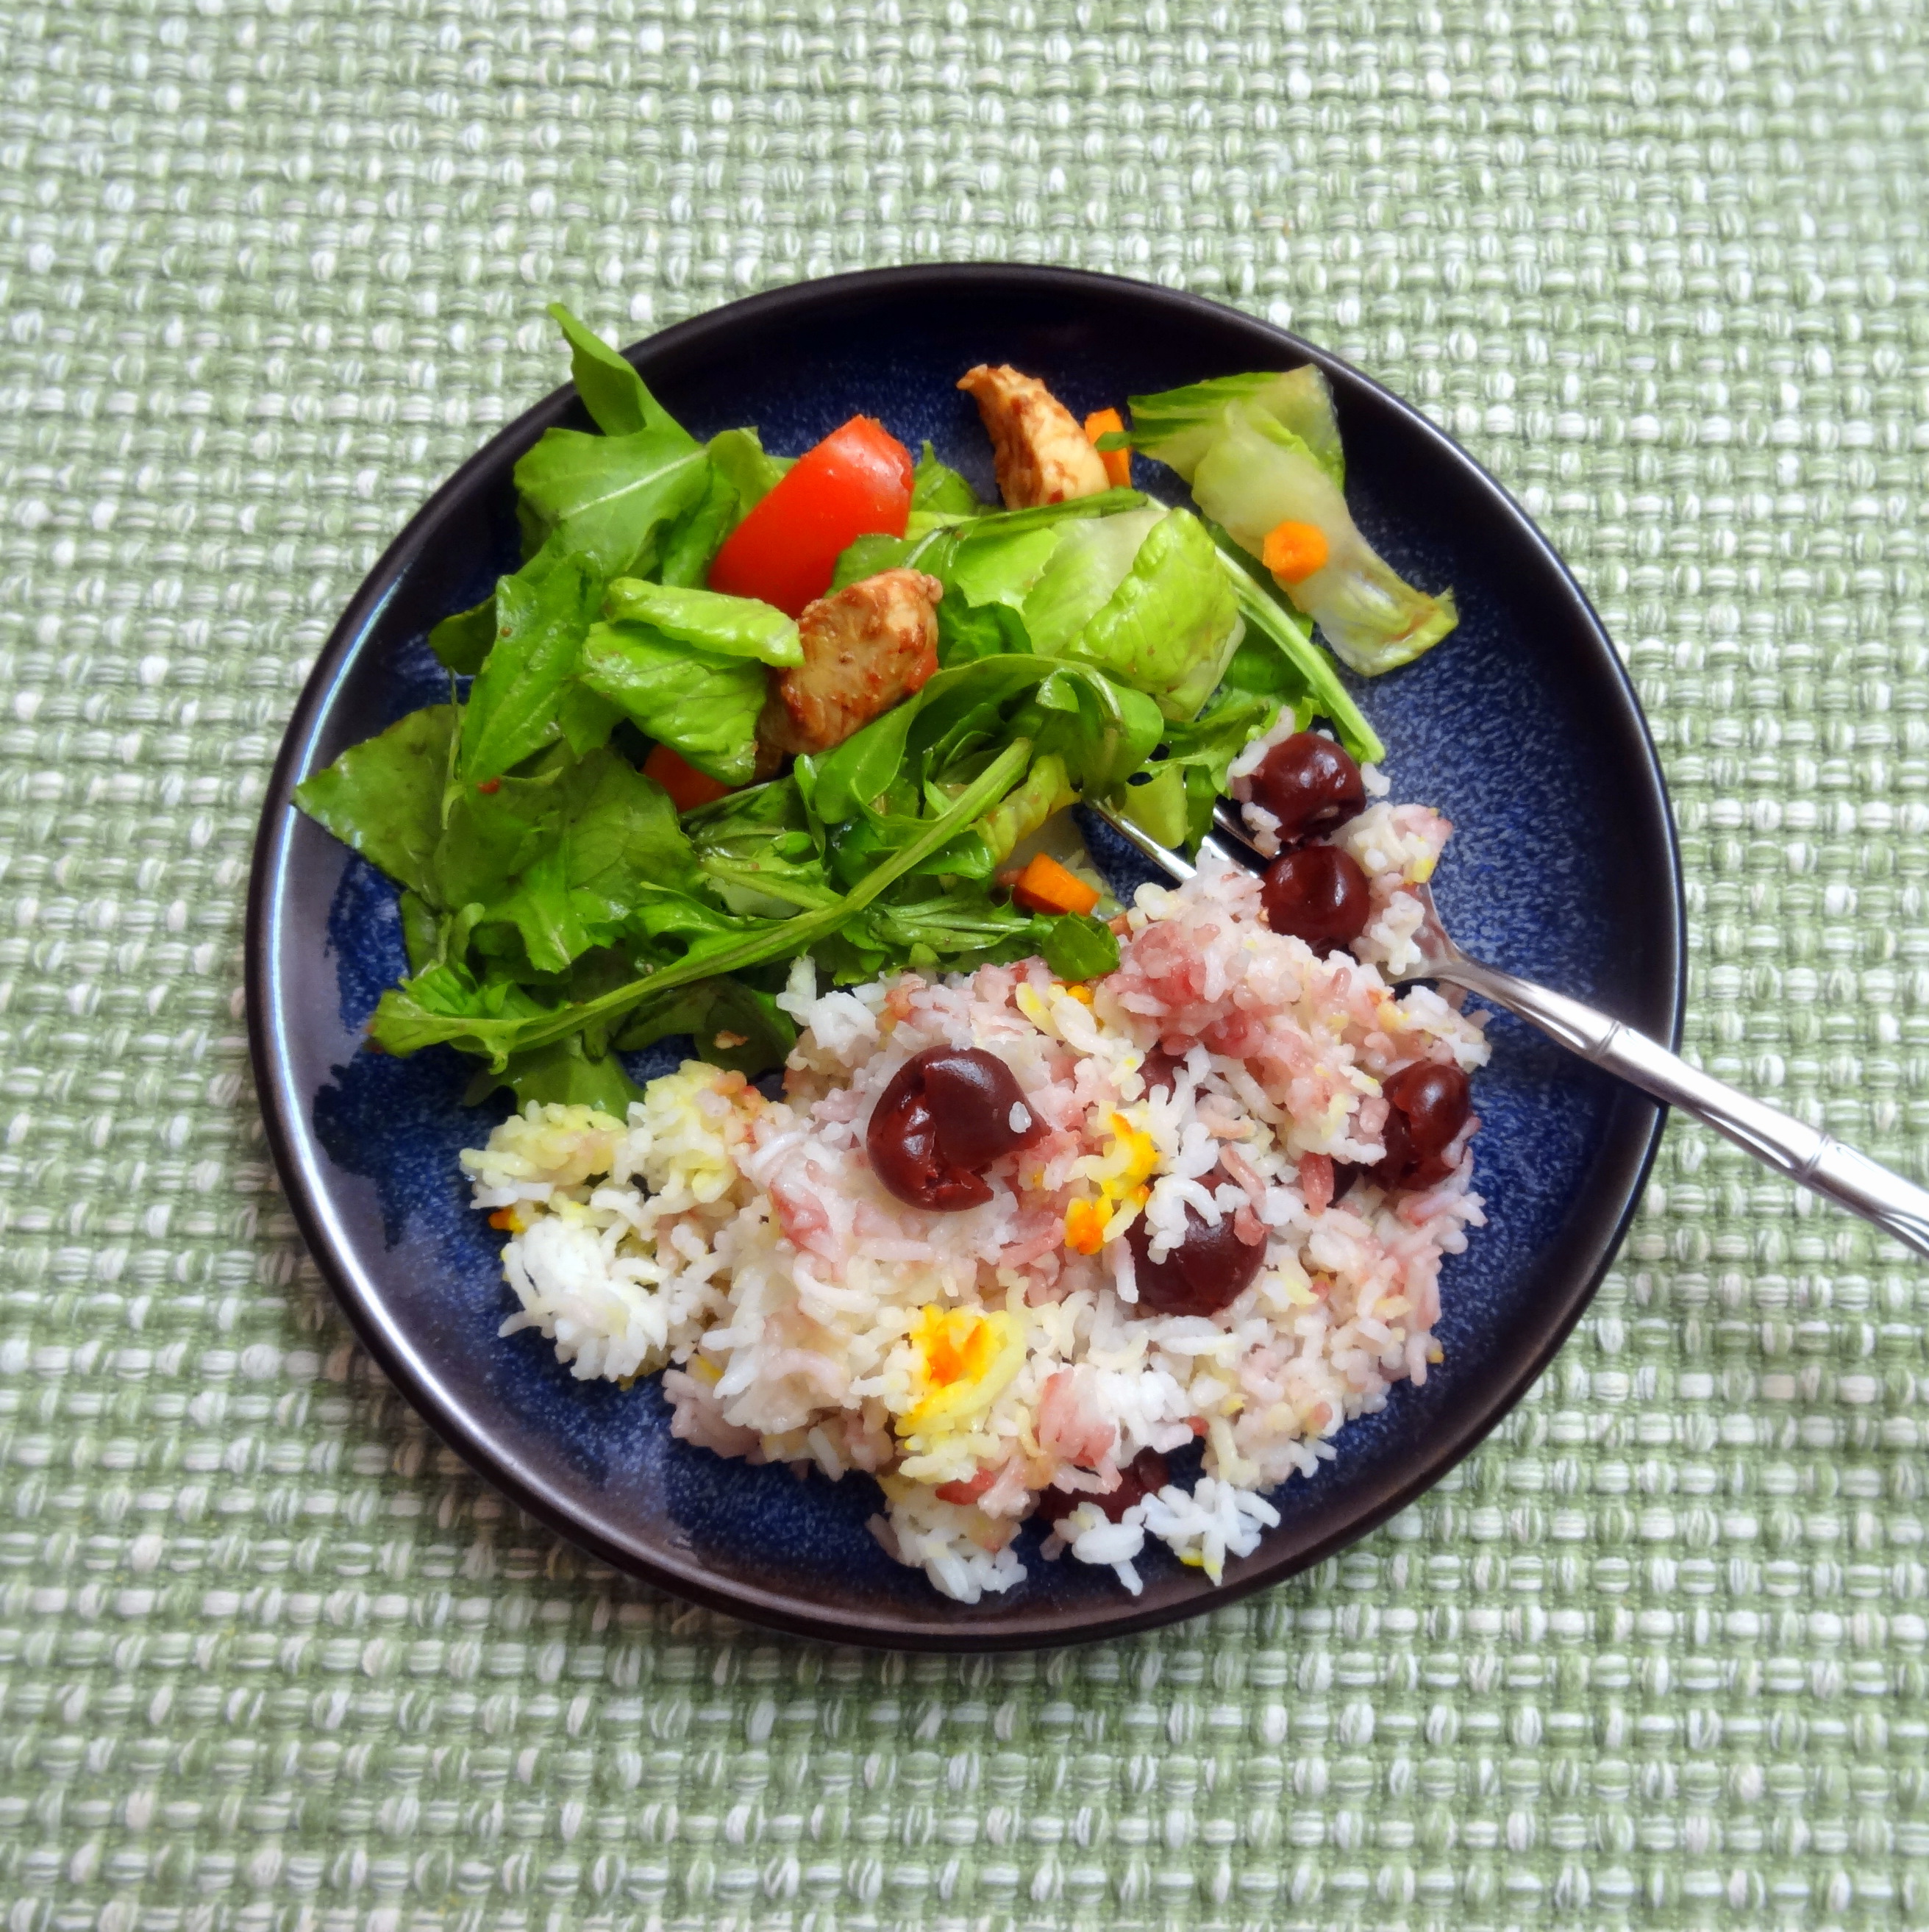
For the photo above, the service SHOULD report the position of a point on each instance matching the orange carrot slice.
(1294, 551)
(1118, 462)
(1045, 885)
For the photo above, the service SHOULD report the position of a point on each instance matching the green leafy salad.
(654, 784)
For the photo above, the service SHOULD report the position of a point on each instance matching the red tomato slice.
(856, 483)
(688, 787)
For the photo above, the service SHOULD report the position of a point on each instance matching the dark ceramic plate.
(1522, 728)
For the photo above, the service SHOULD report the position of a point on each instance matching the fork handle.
(1812, 1159)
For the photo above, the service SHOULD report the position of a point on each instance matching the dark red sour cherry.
(1306, 782)
(1146, 1472)
(1428, 1106)
(946, 1116)
(1317, 893)
(1160, 1070)
(1209, 1269)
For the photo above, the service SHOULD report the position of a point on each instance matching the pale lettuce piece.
(1177, 427)
(1256, 475)
(1090, 561)
(1172, 624)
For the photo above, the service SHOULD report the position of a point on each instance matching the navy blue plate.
(1522, 728)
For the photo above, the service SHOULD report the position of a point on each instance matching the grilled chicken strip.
(865, 646)
(1041, 453)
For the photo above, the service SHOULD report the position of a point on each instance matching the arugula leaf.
(689, 543)
(490, 838)
(616, 835)
(462, 641)
(511, 708)
(1104, 730)
(384, 797)
(562, 1075)
(703, 705)
(741, 459)
(1101, 503)
(1199, 755)
(610, 497)
(559, 856)
(616, 396)
(759, 851)
(447, 1004)
(731, 627)
(733, 1026)
(497, 1021)
(938, 491)
(1077, 947)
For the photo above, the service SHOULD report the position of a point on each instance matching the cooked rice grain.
(807, 1316)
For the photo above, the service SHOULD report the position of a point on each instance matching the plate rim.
(306, 1191)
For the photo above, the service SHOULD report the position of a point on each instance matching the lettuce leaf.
(687, 547)
(731, 627)
(1256, 475)
(1176, 428)
(1087, 563)
(1021, 811)
(1173, 622)
(703, 705)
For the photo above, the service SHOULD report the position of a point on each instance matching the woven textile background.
(269, 1658)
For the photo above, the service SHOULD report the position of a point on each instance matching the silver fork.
(1809, 1157)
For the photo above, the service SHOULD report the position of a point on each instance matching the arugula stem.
(793, 935)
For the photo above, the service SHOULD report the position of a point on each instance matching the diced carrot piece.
(1045, 885)
(1294, 551)
(1085, 1223)
(1118, 462)
(688, 787)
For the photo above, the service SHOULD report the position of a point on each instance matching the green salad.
(734, 708)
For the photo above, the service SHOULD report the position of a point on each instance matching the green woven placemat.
(271, 1659)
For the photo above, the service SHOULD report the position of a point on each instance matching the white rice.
(804, 1315)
